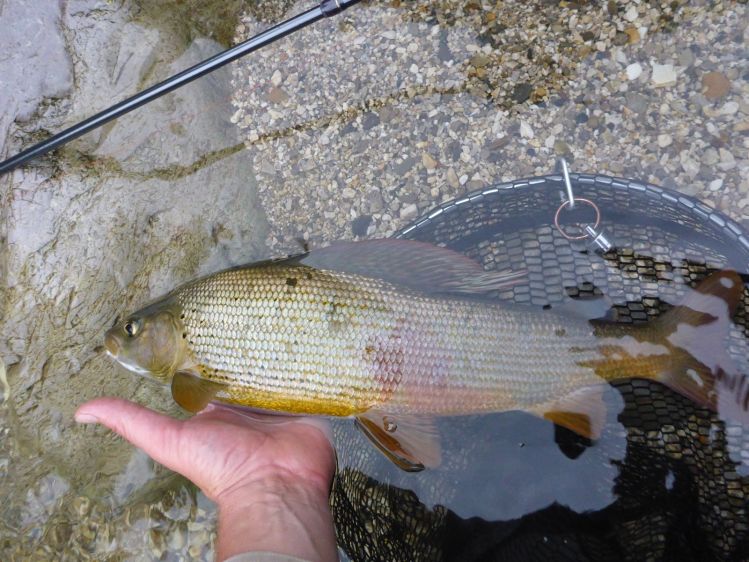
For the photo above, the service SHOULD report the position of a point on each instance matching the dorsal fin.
(415, 265)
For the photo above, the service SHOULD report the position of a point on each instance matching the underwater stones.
(360, 225)
(521, 92)
(409, 212)
(634, 71)
(715, 85)
(663, 75)
(457, 80)
(664, 140)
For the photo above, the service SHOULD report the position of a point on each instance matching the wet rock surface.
(114, 219)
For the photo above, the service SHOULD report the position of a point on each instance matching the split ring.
(568, 203)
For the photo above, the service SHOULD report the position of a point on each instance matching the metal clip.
(599, 239)
(597, 236)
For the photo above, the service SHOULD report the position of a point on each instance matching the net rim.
(699, 209)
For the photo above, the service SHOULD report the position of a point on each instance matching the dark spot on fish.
(98, 349)
(291, 281)
(308, 275)
(560, 332)
(184, 335)
(547, 307)
(182, 316)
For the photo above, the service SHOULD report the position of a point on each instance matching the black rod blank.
(325, 9)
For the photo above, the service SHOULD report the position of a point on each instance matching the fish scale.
(353, 343)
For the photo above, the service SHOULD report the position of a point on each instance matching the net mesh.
(680, 490)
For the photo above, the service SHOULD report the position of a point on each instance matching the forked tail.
(695, 331)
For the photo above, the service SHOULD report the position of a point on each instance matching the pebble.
(665, 140)
(715, 185)
(633, 35)
(710, 157)
(686, 58)
(277, 78)
(663, 75)
(631, 13)
(452, 178)
(277, 95)
(715, 85)
(561, 148)
(409, 212)
(525, 130)
(429, 162)
(634, 71)
(727, 161)
(729, 108)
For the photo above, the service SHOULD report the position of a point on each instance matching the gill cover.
(149, 342)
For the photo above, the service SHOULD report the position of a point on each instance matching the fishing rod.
(326, 9)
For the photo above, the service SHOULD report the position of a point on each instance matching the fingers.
(148, 430)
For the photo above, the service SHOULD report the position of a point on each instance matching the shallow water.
(350, 128)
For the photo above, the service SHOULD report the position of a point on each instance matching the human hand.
(269, 475)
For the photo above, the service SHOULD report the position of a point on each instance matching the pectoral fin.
(411, 442)
(192, 392)
(582, 411)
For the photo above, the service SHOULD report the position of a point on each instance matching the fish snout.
(111, 344)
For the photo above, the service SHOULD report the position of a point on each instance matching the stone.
(561, 148)
(276, 78)
(715, 85)
(633, 35)
(686, 58)
(429, 162)
(710, 157)
(631, 13)
(409, 212)
(375, 200)
(277, 95)
(664, 140)
(525, 130)
(634, 71)
(360, 225)
(521, 92)
(452, 178)
(636, 102)
(663, 75)
(729, 108)
(727, 160)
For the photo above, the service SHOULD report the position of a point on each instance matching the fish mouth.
(111, 345)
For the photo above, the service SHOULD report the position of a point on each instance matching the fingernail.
(86, 418)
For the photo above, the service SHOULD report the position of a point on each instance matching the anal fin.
(192, 392)
(582, 411)
(410, 441)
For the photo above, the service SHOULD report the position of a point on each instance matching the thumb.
(155, 433)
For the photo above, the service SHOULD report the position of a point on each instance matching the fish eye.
(132, 327)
